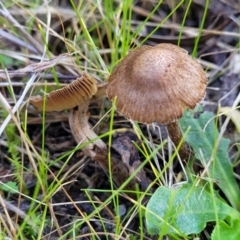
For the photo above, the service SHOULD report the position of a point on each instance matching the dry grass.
(49, 188)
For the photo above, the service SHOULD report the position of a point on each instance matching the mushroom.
(72, 95)
(157, 84)
(76, 97)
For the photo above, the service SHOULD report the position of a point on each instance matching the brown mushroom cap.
(157, 84)
(74, 94)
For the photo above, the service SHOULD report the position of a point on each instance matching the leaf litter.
(216, 51)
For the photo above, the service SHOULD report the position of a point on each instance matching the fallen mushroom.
(157, 84)
(76, 97)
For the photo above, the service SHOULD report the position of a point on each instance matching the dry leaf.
(35, 67)
(235, 115)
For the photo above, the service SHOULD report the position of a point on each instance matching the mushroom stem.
(175, 134)
(97, 149)
(78, 121)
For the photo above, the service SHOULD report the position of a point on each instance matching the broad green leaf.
(184, 211)
(202, 137)
(224, 231)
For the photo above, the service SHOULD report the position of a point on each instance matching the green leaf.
(223, 231)
(10, 187)
(203, 137)
(7, 61)
(184, 211)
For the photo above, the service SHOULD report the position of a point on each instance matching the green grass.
(98, 36)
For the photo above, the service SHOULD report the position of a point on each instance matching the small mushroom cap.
(157, 84)
(68, 97)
